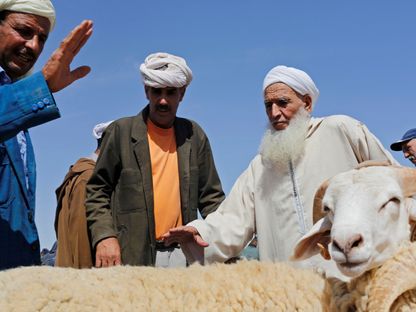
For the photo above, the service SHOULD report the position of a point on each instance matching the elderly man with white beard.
(273, 197)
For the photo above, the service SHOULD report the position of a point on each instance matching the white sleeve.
(231, 227)
(365, 144)
(376, 150)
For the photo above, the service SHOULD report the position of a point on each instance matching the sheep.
(365, 219)
(244, 286)
(351, 202)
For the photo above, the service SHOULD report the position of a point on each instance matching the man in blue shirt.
(25, 101)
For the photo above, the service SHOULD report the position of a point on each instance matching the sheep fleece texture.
(245, 286)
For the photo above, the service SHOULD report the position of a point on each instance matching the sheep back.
(244, 286)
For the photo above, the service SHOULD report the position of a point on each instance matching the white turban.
(161, 70)
(38, 7)
(99, 129)
(296, 79)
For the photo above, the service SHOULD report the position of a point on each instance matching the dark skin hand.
(107, 253)
(184, 234)
(56, 71)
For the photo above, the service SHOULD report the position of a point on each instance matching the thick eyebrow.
(277, 99)
(25, 25)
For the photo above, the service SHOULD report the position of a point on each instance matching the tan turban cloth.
(161, 70)
(296, 79)
(38, 7)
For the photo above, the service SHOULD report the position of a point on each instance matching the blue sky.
(361, 55)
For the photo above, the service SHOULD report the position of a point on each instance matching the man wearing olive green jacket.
(154, 171)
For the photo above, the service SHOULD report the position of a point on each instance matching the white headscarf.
(38, 7)
(161, 70)
(296, 79)
(99, 129)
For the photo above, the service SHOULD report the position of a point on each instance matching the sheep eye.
(394, 200)
(326, 209)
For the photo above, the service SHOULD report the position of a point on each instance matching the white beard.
(279, 147)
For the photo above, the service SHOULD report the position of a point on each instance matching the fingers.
(183, 234)
(83, 41)
(77, 37)
(98, 262)
(108, 253)
(80, 72)
(107, 261)
(200, 241)
(57, 70)
(117, 261)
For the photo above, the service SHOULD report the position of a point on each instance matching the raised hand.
(57, 70)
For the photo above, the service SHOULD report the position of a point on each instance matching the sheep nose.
(345, 247)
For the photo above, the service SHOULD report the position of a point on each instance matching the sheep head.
(366, 217)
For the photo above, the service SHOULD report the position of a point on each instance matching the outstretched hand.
(182, 235)
(57, 70)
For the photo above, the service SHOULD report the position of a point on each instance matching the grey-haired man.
(407, 144)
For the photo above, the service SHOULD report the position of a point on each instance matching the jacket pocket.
(130, 193)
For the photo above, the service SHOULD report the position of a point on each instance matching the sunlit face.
(409, 150)
(22, 37)
(164, 103)
(282, 103)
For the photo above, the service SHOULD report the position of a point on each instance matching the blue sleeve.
(25, 104)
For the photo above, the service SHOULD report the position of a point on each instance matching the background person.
(25, 103)
(407, 144)
(74, 247)
(154, 172)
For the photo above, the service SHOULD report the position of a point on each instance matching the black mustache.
(163, 108)
(28, 53)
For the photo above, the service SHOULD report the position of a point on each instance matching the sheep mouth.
(350, 265)
(353, 269)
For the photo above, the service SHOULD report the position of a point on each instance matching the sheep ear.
(314, 242)
(317, 202)
(408, 180)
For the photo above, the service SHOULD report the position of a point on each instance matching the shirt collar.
(4, 78)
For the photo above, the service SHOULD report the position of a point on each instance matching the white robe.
(277, 206)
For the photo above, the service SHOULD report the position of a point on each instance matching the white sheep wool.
(39, 7)
(161, 70)
(277, 204)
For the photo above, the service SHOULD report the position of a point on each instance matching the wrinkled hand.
(182, 235)
(57, 70)
(107, 253)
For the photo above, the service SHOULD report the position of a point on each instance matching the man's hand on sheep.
(107, 253)
(182, 235)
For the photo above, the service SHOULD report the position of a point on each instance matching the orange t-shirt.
(165, 174)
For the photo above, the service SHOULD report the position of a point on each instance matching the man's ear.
(182, 91)
(146, 91)
(308, 102)
(314, 242)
